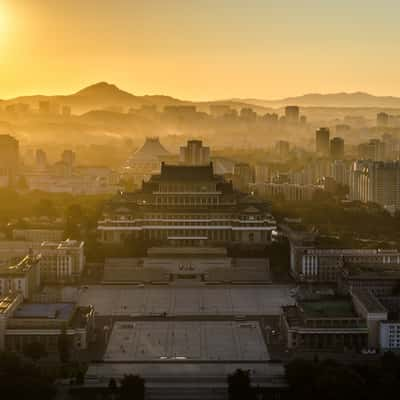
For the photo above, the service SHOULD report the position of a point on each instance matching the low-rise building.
(12, 251)
(8, 305)
(287, 191)
(37, 234)
(62, 262)
(323, 265)
(389, 335)
(328, 323)
(22, 277)
(369, 307)
(380, 278)
(46, 323)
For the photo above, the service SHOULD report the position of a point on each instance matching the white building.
(62, 261)
(377, 182)
(37, 234)
(390, 335)
(289, 191)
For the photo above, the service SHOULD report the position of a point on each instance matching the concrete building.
(219, 110)
(38, 234)
(287, 191)
(62, 262)
(262, 173)
(337, 148)
(382, 120)
(374, 150)
(243, 176)
(322, 142)
(22, 277)
(282, 149)
(8, 304)
(46, 323)
(324, 265)
(380, 275)
(370, 308)
(194, 153)
(389, 335)
(377, 182)
(327, 323)
(9, 160)
(340, 171)
(292, 114)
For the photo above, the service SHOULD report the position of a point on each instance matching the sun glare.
(3, 21)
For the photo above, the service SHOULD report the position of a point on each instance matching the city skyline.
(196, 51)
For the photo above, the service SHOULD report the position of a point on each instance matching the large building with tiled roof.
(187, 206)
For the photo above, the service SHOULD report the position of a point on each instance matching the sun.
(3, 21)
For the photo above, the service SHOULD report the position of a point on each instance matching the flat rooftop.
(328, 308)
(369, 301)
(58, 311)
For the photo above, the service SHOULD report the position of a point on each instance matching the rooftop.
(22, 267)
(186, 172)
(55, 311)
(326, 308)
(7, 302)
(369, 301)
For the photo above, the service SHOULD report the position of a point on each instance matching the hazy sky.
(200, 49)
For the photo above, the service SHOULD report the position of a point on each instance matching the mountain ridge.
(104, 95)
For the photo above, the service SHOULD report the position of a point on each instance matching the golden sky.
(200, 49)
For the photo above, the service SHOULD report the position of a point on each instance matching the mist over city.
(199, 200)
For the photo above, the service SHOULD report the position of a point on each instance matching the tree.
(80, 378)
(35, 351)
(22, 381)
(64, 347)
(112, 387)
(239, 386)
(132, 387)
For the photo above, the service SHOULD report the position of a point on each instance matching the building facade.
(187, 205)
(62, 262)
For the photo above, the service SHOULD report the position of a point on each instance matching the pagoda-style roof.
(151, 149)
(186, 173)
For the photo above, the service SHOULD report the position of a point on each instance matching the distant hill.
(102, 96)
(106, 96)
(356, 99)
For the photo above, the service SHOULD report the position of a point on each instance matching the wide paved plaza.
(185, 301)
(184, 340)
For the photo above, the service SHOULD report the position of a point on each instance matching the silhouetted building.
(382, 119)
(41, 159)
(373, 150)
(44, 107)
(194, 153)
(337, 148)
(68, 157)
(292, 114)
(322, 141)
(243, 175)
(376, 182)
(219, 110)
(342, 129)
(282, 148)
(248, 114)
(9, 160)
